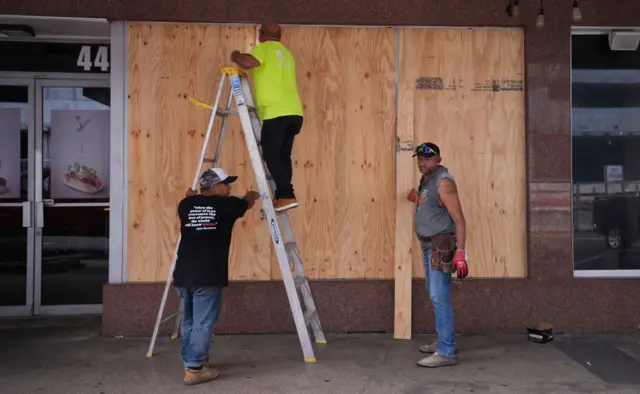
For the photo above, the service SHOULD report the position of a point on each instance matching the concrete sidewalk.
(69, 356)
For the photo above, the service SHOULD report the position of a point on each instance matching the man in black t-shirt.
(202, 266)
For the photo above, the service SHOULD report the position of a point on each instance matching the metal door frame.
(28, 219)
(40, 84)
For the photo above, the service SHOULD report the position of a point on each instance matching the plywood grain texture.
(404, 240)
(469, 99)
(168, 64)
(352, 221)
(343, 160)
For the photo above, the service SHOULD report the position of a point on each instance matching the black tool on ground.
(541, 334)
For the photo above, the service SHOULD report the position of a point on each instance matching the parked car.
(617, 217)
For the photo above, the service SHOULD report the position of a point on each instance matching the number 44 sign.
(87, 61)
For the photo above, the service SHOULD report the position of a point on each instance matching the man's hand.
(251, 196)
(413, 195)
(190, 192)
(460, 263)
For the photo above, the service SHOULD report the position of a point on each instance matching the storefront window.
(606, 155)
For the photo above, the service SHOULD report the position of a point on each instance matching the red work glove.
(460, 263)
(413, 195)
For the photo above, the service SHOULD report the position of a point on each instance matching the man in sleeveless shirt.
(440, 226)
(279, 107)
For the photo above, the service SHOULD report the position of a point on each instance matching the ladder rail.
(205, 144)
(216, 158)
(223, 128)
(267, 204)
(203, 152)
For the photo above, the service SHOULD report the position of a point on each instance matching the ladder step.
(299, 280)
(226, 112)
(309, 315)
(223, 113)
(208, 160)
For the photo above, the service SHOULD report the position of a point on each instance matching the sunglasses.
(425, 149)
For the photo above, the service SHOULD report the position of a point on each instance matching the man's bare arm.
(244, 60)
(448, 194)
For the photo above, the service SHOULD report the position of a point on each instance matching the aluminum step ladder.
(303, 308)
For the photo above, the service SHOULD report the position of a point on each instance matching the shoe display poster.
(79, 154)
(9, 153)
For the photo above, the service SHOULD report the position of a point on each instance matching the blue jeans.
(201, 307)
(438, 285)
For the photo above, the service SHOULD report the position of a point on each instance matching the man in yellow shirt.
(279, 107)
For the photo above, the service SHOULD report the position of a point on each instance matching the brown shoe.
(282, 204)
(195, 376)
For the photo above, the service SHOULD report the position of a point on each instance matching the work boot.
(282, 204)
(207, 364)
(195, 376)
(436, 360)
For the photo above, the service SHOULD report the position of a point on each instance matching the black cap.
(427, 149)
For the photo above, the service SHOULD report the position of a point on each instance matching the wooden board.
(343, 160)
(168, 64)
(480, 129)
(405, 236)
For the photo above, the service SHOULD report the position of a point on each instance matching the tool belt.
(443, 248)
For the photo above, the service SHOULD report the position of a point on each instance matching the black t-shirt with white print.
(206, 224)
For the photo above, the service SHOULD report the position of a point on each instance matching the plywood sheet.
(344, 157)
(404, 242)
(168, 64)
(469, 99)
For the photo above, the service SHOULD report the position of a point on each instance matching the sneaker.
(282, 204)
(431, 348)
(195, 376)
(436, 360)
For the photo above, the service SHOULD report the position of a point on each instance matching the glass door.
(16, 196)
(72, 159)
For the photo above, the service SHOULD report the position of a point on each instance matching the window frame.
(623, 273)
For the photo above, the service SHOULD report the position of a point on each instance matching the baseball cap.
(213, 176)
(427, 149)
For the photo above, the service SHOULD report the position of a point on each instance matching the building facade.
(535, 117)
